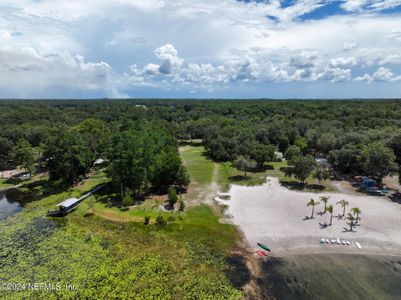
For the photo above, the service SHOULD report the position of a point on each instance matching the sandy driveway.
(274, 215)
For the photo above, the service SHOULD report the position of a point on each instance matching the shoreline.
(4, 189)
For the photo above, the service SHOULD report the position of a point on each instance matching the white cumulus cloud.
(170, 62)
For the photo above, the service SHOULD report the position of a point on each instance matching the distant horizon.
(203, 99)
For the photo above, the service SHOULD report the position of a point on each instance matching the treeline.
(359, 137)
(140, 156)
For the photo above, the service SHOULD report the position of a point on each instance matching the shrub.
(127, 200)
(172, 197)
(182, 205)
(147, 219)
(88, 237)
(160, 220)
(171, 218)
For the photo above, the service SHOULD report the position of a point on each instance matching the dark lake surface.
(10, 203)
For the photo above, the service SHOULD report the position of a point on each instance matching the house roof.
(68, 202)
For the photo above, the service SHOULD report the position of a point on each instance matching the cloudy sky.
(200, 48)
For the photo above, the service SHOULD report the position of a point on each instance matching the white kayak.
(358, 245)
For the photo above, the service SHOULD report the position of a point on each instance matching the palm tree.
(343, 204)
(312, 203)
(351, 220)
(330, 210)
(324, 199)
(356, 211)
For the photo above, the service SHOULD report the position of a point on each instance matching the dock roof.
(69, 202)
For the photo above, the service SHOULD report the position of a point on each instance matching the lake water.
(8, 204)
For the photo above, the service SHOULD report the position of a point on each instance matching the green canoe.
(264, 247)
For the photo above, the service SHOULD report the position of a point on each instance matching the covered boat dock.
(70, 204)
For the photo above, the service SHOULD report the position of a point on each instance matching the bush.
(171, 218)
(127, 200)
(81, 177)
(88, 237)
(160, 220)
(147, 219)
(182, 205)
(172, 197)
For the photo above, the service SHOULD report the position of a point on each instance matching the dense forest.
(139, 138)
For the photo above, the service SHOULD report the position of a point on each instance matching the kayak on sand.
(263, 246)
(261, 253)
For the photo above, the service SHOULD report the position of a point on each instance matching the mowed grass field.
(310, 181)
(203, 171)
(198, 165)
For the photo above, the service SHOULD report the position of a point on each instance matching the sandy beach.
(277, 217)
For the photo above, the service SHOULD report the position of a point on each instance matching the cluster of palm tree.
(353, 216)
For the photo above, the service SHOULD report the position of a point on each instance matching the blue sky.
(200, 49)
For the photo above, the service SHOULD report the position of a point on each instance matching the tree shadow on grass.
(317, 187)
(297, 185)
(238, 178)
(12, 181)
(110, 201)
(185, 142)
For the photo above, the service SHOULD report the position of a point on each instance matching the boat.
(261, 253)
(263, 246)
(358, 245)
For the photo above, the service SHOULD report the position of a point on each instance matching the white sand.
(274, 215)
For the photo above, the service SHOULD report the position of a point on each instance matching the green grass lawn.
(4, 183)
(10, 182)
(229, 174)
(199, 167)
(329, 187)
